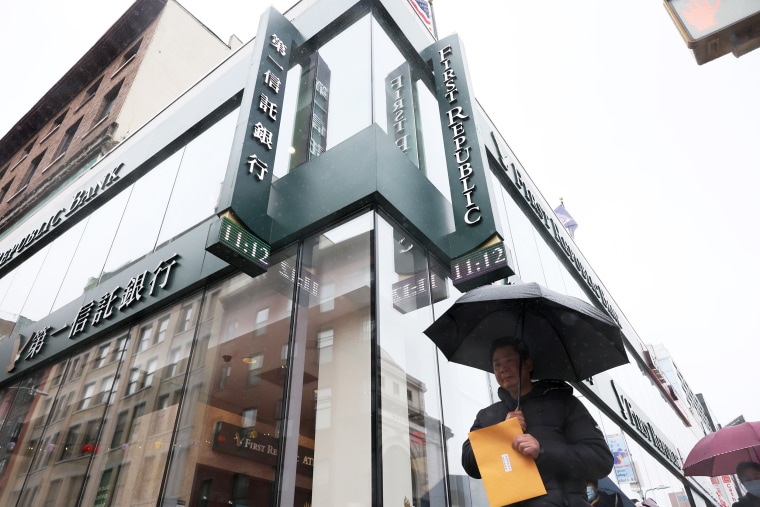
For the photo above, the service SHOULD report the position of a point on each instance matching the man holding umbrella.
(749, 475)
(559, 433)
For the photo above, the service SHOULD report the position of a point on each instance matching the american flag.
(423, 10)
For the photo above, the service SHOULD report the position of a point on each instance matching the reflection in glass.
(334, 101)
(59, 435)
(229, 433)
(19, 283)
(138, 229)
(201, 173)
(90, 256)
(431, 139)
(51, 274)
(332, 368)
(412, 426)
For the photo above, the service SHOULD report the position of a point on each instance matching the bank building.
(217, 260)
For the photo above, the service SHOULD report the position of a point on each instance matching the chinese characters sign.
(94, 313)
(249, 173)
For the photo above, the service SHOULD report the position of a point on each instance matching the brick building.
(153, 53)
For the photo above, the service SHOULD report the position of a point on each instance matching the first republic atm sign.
(713, 28)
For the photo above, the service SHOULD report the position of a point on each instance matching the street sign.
(713, 28)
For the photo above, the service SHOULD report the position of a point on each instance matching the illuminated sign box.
(713, 28)
(235, 245)
(481, 267)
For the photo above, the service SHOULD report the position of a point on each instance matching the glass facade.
(311, 384)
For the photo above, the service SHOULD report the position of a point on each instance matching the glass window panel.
(220, 452)
(200, 178)
(139, 228)
(350, 101)
(56, 264)
(138, 428)
(20, 283)
(526, 255)
(335, 407)
(61, 437)
(431, 139)
(412, 425)
(386, 58)
(334, 100)
(287, 120)
(87, 263)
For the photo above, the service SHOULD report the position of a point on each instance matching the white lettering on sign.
(456, 118)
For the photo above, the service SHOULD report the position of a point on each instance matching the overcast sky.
(605, 106)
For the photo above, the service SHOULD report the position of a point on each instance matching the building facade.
(155, 51)
(228, 307)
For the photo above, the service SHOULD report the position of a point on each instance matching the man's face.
(506, 367)
(750, 474)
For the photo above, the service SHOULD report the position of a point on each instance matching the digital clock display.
(481, 267)
(232, 243)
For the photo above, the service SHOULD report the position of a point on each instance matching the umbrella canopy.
(567, 338)
(718, 453)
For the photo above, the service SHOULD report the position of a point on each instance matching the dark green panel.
(233, 243)
(184, 258)
(249, 173)
(475, 219)
(367, 168)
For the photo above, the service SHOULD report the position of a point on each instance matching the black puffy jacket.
(573, 448)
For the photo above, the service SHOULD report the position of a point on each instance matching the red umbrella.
(718, 453)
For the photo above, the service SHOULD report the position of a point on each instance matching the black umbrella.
(567, 338)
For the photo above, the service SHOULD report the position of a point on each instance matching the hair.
(509, 341)
(746, 465)
(594, 482)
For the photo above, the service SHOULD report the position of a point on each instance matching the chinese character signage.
(94, 313)
(249, 173)
(117, 299)
(310, 129)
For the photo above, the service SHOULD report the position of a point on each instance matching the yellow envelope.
(508, 476)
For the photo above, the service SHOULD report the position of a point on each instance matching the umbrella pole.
(519, 385)
(521, 323)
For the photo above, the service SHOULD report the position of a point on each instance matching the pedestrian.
(748, 473)
(559, 433)
(600, 498)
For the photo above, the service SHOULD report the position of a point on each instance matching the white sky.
(604, 105)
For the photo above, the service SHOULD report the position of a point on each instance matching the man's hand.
(520, 418)
(527, 445)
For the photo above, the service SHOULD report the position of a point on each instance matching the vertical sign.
(310, 130)
(249, 173)
(624, 471)
(466, 161)
(399, 100)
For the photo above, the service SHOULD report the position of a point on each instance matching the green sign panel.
(480, 267)
(232, 243)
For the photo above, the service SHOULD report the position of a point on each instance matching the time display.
(234, 244)
(482, 266)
